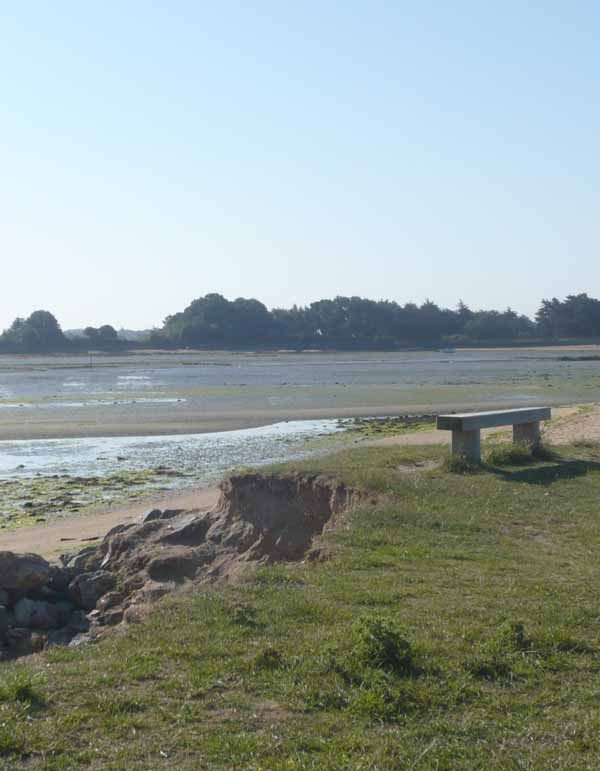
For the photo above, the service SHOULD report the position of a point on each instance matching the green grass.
(518, 454)
(457, 626)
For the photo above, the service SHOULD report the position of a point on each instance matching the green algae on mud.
(377, 428)
(29, 501)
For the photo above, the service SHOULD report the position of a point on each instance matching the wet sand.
(70, 424)
(73, 533)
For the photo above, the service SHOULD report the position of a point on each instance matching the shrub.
(379, 644)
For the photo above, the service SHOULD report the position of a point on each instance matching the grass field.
(456, 625)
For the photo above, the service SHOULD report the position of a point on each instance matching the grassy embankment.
(456, 626)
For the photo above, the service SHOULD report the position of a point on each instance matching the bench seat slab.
(471, 421)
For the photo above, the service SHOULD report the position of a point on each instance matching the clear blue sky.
(152, 152)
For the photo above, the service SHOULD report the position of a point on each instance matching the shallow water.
(200, 457)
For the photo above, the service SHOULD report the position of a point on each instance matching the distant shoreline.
(137, 350)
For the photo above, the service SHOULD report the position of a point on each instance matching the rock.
(111, 617)
(3, 597)
(187, 531)
(150, 516)
(155, 514)
(117, 529)
(23, 642)
(4, 622)
(21, 574)
(175, 565)
(36, 614)
(86, 589)
(78, 621)
(38, 640)
(60, 578)
(62, 636)
(110, 599)
(136, 613)
(80, 639)
(88, 559)
(65, 610)
(23, 612)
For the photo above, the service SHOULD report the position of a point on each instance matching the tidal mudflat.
(188, 392)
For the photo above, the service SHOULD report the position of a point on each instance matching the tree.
(107, 334)
(40, 332)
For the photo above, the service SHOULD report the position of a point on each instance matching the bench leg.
(527, 433)
(467, 444)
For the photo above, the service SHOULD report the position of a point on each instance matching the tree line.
(356, 323)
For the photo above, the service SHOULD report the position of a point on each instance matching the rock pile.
(259, 519)
(39, 605)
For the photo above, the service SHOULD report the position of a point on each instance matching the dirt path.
(74, 533)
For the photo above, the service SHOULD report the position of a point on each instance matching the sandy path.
(74, 533)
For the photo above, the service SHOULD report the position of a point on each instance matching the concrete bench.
(466, 426)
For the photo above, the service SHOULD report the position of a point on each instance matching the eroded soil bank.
(259, 519)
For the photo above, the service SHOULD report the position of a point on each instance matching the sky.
(154, 152)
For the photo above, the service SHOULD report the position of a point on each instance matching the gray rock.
(21, 574)
(110, 600)
(36, 614)
(23, 611)
(87, 559)
(81, 639)
(117, 529)
(23, 642)
(78, 621)
(111, 617)
(4, 622)
(61, 636)
(150, 516)
(155, 514)
(65, 609)
(86, 589)
(60, 578)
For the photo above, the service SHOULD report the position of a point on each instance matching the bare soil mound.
(258, 519)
